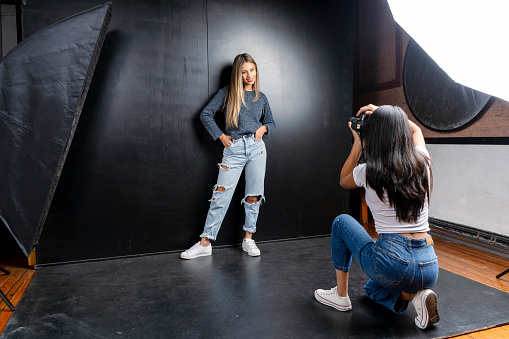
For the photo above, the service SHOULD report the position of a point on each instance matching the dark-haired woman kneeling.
(401, 264)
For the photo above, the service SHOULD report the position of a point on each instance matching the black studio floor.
(232, 295)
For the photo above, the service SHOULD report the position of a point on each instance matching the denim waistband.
(245, 137)
(404, 240)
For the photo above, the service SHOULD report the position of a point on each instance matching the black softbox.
(44, 82)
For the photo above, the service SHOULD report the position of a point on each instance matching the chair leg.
(501, 274)
(4, 297)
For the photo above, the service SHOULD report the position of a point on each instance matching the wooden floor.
(453, 256)
(14, 284)
(498, 332)
(477, 265)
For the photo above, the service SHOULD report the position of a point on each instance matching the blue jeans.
(249, 154)
(394, 263)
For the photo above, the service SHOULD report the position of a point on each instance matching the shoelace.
(194, 248)
(332, 291)
(251, 245)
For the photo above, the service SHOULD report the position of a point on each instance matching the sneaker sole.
(196, 256)
(432, 315)
(252, 255)
(331, 304)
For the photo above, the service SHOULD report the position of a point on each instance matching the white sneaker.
(196, 251)
(332, 299)
(249, 246)
(425, 303)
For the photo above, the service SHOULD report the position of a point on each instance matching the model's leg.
(342, 281)
(222, 194)
(348, 238)
(402, 267)
(255, 177)
(425, 300)
(389, 297)
(206, 241)
(230, 170)
(251, 201)
(407, 296)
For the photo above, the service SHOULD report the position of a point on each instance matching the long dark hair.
(393, 165)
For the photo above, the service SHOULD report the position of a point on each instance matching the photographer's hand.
(354, 133)
(368, 109)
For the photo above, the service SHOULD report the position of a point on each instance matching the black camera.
(359, 122)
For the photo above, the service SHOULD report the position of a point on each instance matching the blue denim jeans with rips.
(244, 154)
(394, 263)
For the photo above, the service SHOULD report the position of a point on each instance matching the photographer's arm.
(417, 134)
(346, 176)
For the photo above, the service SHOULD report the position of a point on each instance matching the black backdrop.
(141, 167)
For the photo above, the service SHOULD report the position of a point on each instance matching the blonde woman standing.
(248, 119)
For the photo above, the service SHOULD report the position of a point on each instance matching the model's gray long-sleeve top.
(252, 117)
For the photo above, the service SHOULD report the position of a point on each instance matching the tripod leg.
(501, 274)
(4, 297)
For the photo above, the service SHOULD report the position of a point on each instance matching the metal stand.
(501, 274)
(3, 296)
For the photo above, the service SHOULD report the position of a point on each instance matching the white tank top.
(385, 215)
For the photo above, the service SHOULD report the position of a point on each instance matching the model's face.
(248, 75)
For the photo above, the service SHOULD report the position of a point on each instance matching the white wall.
(471, 186)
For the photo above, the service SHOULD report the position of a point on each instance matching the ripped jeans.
(248, 154)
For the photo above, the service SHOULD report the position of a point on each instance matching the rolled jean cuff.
(400, 306)
(208, 236)
(386, 297)
(249, 229)
(341, 268)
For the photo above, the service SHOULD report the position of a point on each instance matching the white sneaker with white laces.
(332, 299)
(425, 303)
(196, 251)
(249, 246)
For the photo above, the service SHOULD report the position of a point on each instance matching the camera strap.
(361, 157)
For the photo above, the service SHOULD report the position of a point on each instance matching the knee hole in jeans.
(217, 188)
(252, 199)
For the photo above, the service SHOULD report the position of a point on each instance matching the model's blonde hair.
(236, 95)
